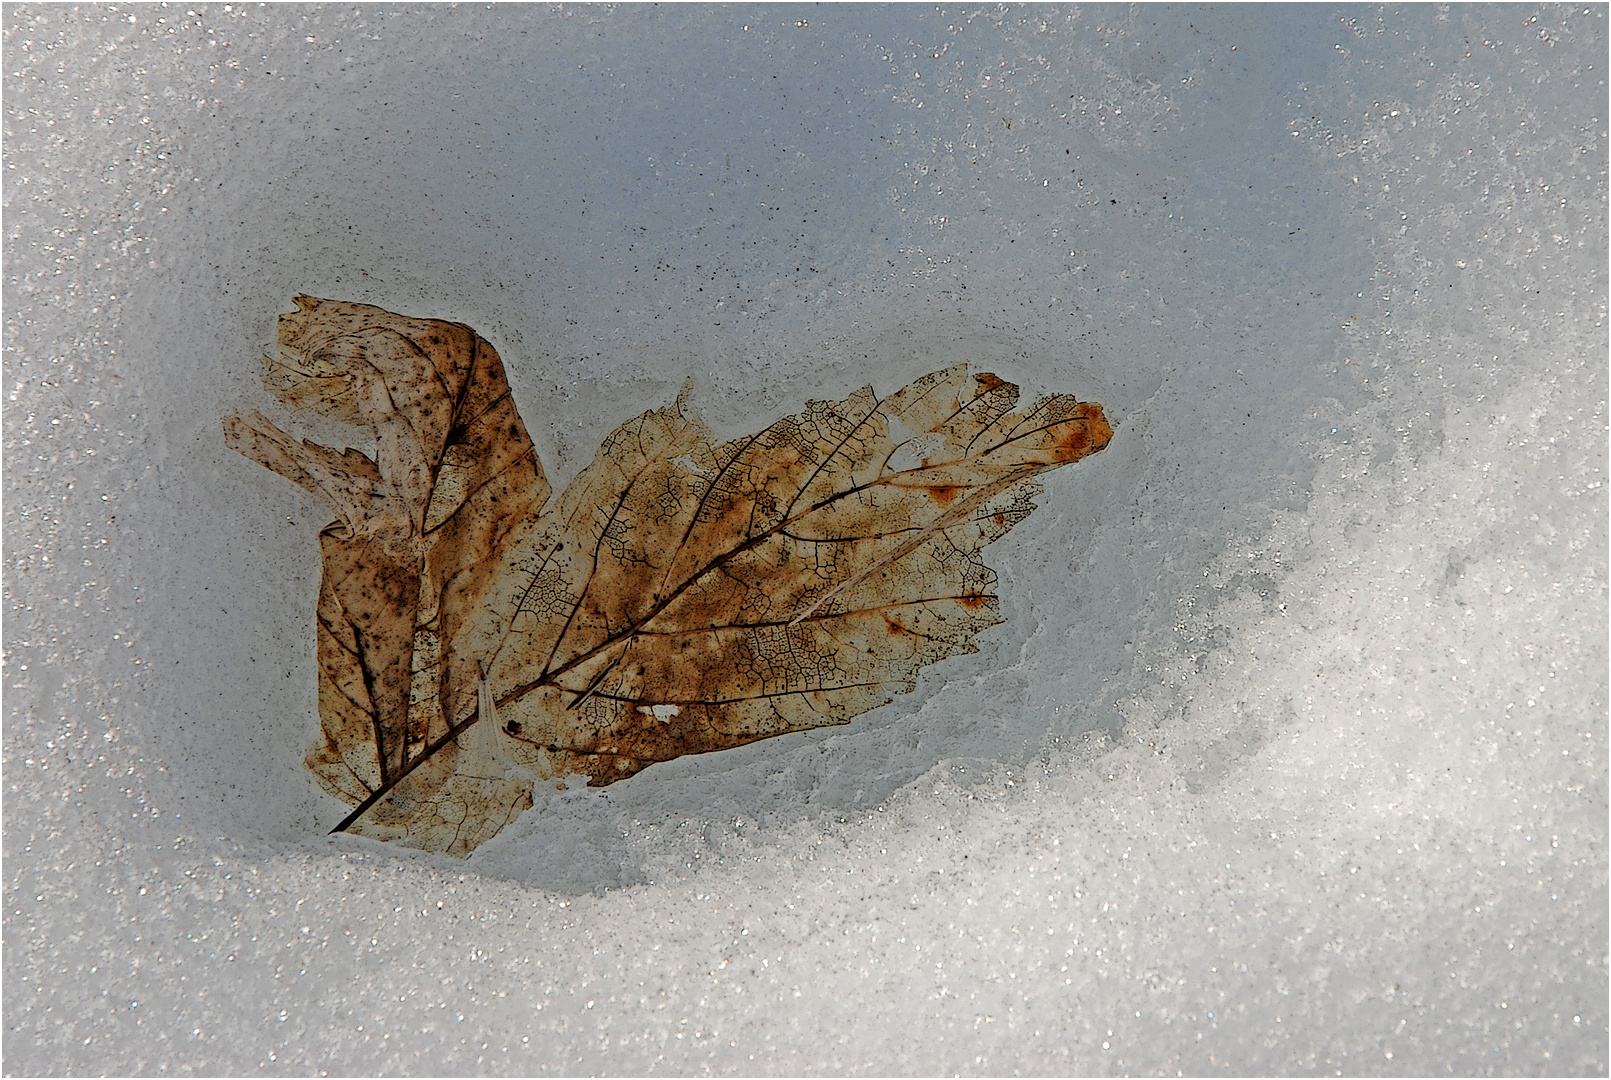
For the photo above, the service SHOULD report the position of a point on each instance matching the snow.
(1289, 757)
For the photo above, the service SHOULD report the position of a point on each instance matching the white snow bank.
(1289, 757)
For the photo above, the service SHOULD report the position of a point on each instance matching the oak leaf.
(681, 596)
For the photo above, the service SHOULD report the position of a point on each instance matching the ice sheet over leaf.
(680, 596)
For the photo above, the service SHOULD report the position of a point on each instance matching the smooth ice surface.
(1291, 753)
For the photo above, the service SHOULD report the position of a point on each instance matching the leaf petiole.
(379, 793)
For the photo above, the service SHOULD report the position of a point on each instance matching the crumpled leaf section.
(681, 595)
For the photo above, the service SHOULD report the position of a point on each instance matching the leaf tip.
(683, 395)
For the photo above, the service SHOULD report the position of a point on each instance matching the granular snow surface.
(1289, 756)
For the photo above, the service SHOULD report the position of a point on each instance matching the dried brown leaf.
(680, 596)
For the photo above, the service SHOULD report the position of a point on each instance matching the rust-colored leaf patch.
(680, 596)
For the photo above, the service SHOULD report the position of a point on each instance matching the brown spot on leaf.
(1087, 433)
